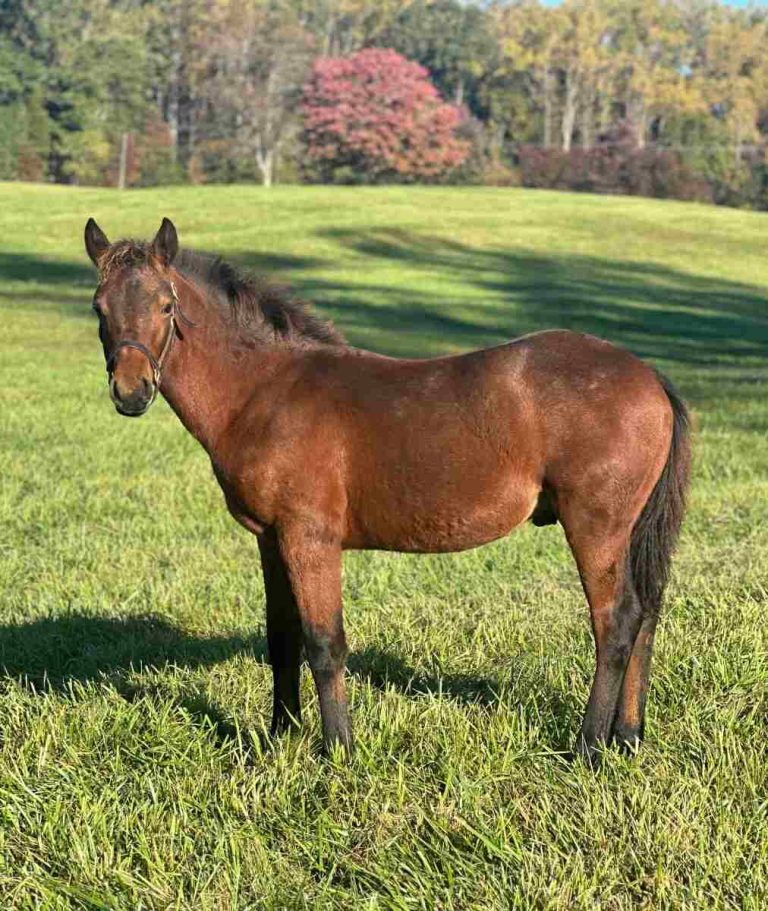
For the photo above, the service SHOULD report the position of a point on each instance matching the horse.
(320, 447)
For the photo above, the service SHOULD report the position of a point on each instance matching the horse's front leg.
(313, 564)
(283, 636)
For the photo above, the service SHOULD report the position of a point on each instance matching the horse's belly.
(440, 524)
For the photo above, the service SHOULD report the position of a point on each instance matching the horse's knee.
(327, 654)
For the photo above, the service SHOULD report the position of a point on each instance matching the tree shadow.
(656, 311)
(49, 654)
(383, 669)
(24, 267)
(70, 285)
(493, 294)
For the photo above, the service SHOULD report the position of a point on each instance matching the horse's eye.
(167, 309)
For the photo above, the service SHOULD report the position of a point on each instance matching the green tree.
(454, 41)
(91, 59)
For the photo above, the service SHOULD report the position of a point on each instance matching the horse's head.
(137, 304)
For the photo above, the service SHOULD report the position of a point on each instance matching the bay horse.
(320, 447)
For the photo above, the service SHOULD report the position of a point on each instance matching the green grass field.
(134, 768)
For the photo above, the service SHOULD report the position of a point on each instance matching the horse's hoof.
(627, 741)
(591, 754)
(284, 725)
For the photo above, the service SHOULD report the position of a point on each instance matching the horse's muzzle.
(135, 403)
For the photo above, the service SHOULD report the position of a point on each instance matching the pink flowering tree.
(375, 116)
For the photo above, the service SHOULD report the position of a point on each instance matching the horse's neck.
(206, 379)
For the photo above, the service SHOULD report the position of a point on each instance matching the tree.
(735, 74)
(168, 90)
(344, 26)
(527, 37)
(177, 35)
(452, 40)
(375, 116)
(256, 61)
(656, 57)
(91, 80)
(23, 124)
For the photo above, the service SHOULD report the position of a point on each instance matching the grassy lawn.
(134, 768)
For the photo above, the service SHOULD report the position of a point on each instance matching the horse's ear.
(96, 242)
(166, 243)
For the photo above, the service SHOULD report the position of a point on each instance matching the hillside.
(134, 771)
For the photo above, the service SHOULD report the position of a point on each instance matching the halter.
(175, 316)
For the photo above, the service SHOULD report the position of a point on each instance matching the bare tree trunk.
(459, 95)
(604, 107)
(642, 128)
(330, 29)
(173, 105)
(184, 122)
(123, 167)
(587, 111)
(547, 108)
(180, 99)
(265, 161)
(497, 143)
(569, 109)
(638, 116)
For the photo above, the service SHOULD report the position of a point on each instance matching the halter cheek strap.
(156, 363)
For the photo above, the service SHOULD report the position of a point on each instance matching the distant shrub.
(156, 163)
(614, 165)
(219, 161)
(30, 165)
(740, 180)
(498, 174)
(375, 117)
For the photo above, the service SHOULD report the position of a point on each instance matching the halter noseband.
(156, 363)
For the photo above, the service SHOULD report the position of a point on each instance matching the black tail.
(656, 530)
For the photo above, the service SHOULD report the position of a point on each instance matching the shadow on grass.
(656, 311)
(23, 267)
(383, 669)
(27, 280)
(463, 297)
(525, 686)
(51, 653)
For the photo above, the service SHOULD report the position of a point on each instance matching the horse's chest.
(248, 502)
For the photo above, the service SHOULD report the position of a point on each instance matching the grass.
(134, 768)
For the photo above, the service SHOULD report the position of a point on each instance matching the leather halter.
(175, 316)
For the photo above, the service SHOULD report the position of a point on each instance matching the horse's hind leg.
(629, 727)
(616, 617)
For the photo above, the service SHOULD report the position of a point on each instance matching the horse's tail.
(658, 526)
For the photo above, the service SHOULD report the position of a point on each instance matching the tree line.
(667, 97)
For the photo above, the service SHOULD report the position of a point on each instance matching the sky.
(740, 3)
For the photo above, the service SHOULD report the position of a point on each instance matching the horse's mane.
(257, 309)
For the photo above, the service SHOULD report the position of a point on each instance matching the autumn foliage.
(375, 116)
